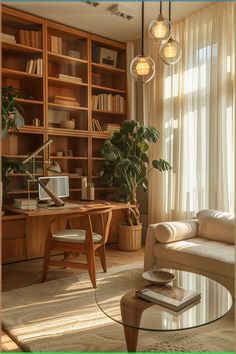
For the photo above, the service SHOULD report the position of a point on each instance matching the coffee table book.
(171, 297)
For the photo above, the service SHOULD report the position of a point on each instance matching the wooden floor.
(21, 274)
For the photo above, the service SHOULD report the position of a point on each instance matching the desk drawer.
(13, 240)
(13, 229)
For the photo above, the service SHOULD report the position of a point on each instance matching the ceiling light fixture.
(160, 28)
(170, 51)
(142, 67)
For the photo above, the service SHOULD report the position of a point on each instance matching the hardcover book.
(171, 297)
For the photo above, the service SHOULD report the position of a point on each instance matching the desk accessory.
(58, 202)
(84, 185)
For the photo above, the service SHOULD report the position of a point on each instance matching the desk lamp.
(58, 202)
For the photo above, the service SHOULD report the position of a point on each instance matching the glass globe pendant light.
(142, 67)
(160, 28)
(170, 51)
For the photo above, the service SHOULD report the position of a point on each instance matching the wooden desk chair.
(79, 241)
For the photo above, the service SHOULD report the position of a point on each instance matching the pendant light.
(160, 28)
(142, 67)
(170, 51)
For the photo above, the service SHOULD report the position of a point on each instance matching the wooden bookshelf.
(71, 64)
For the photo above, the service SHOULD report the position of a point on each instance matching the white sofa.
(204, 245)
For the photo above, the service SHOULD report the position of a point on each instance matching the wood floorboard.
(21, 274)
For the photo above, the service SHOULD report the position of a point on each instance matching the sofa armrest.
(165, 232)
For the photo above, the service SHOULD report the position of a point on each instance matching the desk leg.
(133, 318)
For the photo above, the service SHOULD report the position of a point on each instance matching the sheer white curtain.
(198, 118)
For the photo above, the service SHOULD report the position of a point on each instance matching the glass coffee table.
(116, 297)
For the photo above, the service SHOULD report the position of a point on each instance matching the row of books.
(108, 102)
(111, 127)
(56, 44)
(96, 126)
(8, 38)
(30, 38)
(96, 79)
(70, 78)
(65, 100)
(25, 203)
(34, 66)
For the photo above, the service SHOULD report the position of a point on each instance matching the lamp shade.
(170, 51)
(142, 68)
(160, 29)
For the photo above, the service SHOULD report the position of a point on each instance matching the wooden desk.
(37, 222)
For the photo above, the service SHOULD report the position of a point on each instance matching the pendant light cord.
(170, 11)
(142, 53)
(160, 7)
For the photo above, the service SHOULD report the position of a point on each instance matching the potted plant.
(12, 120)
(127, 166)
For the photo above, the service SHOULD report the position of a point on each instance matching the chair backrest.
(89, 220)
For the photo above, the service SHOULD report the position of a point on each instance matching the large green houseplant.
(127, 163)
(12, 120)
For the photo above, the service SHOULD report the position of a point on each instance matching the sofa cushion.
(215, 257)
(176, 230)
(216, 225)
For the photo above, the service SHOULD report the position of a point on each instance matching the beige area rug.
(62, 316)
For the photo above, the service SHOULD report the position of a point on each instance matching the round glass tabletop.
(116, 297)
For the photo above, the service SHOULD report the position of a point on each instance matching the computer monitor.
(59, 185)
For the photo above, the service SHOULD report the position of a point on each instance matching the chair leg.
(102, 256)
(46, 261)
(91, 267)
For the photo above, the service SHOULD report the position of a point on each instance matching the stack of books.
(70, 78)
(96, 126)
(56, 44)
(25, 203)
(70, 101)
(30, 38)
(34, 66)
(8, 38)
(111, 128)
(171, 297)
(108, 102)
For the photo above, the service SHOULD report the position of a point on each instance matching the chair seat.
(74, 236)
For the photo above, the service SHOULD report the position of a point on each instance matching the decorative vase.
(130, 237)
(68, 124)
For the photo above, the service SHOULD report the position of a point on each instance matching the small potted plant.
(127, 166)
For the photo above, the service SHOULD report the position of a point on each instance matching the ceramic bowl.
(158, 276)
(68, 124)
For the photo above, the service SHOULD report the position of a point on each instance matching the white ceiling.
(100, 21)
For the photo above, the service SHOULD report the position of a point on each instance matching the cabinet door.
(13, 241)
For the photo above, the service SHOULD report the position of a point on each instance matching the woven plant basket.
(130, 237)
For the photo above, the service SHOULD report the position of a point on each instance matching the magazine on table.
(171, 297)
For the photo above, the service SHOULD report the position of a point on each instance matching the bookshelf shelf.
(19, 74)
(66, 107)
(68, 158)
(105, 113)
(21, 48)
(107, 89)
(64, 83)
(28, 101)
(60, 58)
(102, 67)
